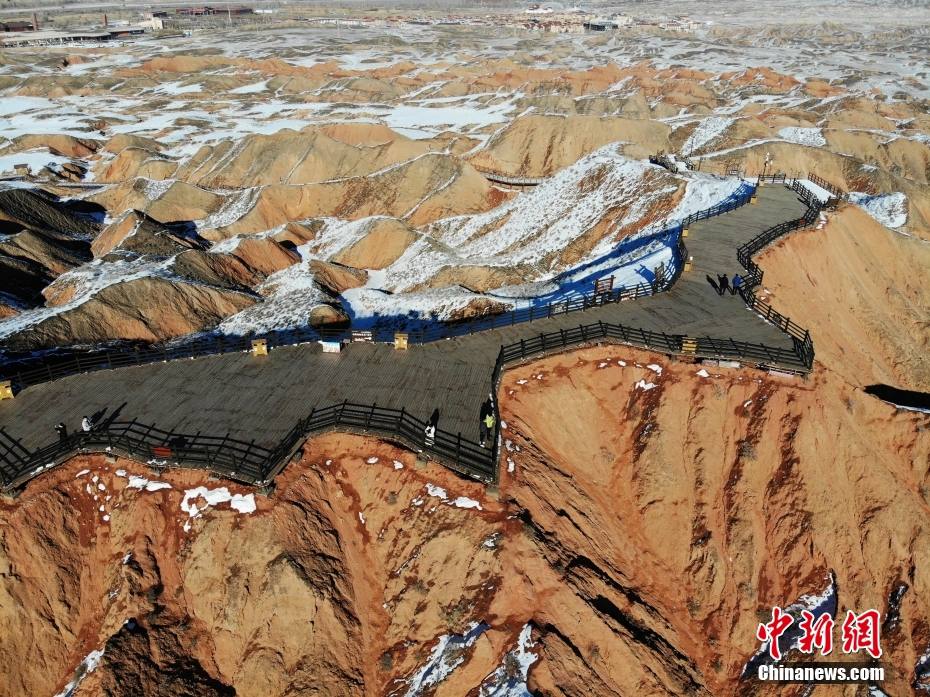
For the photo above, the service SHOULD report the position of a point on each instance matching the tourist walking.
(737, 284)
(429, 435)
(487, 426)
(86, 424)
(658, 277)
(724, 283)
(483, 414)
(429, 432)
(62, 431)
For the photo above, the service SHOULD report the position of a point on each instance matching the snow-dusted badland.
(243, 177)
(310, 174)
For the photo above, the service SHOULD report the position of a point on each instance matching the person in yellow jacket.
(487, 424)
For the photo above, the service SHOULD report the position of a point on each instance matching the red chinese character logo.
(818, 633)
(771, 631)
(862, 631)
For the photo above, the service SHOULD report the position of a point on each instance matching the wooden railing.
(673, 344)
(827, 186)
(509, 179)
(804, 346)
(242, 461)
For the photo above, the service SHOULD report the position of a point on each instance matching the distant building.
(194, 11)
(207, 10)
(600, 25)
(120, 32)
(51, 38)
(681, 24)
(16, 25)
(154, 20)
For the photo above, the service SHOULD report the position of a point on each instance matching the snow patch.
(811, 137)
(509, 680)
(290, 296)
(446, 656)
(888, 209)
(138, 482)
(436, 491)
(87, 666)
(465, 502)
(706, 131)
(243, 503)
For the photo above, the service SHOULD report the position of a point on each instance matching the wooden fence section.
(824, 184)
(509, 179)
(804, 346)
(248, 462)
(794, 182)
(673, 344)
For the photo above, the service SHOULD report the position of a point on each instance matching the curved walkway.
(509, 179)
(260, 398)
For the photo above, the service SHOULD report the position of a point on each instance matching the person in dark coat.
(724, 283)
(658, 277)
(62, 431)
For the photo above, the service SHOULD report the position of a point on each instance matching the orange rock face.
(877, 277)
(642, 533)
(672, 518)
(343, 580)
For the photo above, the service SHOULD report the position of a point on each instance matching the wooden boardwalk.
(260, 398)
